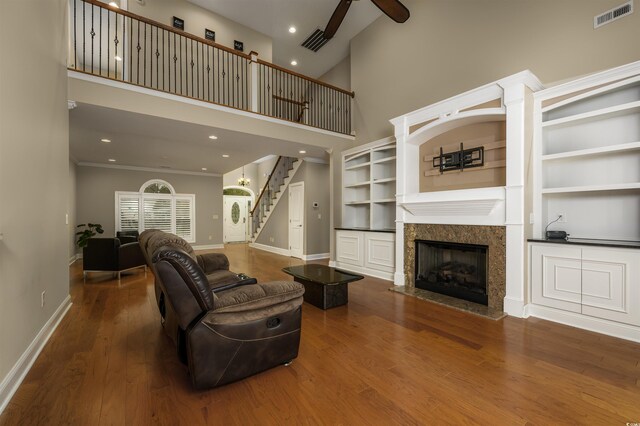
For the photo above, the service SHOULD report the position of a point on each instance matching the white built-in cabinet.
(587, 169)
(600, 282)
(369, 186)
(365, 243)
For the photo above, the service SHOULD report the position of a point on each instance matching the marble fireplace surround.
(492, 236)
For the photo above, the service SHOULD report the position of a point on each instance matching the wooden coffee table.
(324, 287)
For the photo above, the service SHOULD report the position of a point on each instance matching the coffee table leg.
(324, 296)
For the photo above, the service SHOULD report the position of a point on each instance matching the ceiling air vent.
(315, 41)
(613, 14)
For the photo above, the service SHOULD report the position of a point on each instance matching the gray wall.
(339, 75)
(265, 168)
(34, 171)
(448, 47)
(317, 231)
(250, 171)
(96, 197)
(71, 209)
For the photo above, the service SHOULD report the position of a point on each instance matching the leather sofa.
(229, 333)
(109, 255)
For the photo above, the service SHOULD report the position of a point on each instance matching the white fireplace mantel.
(499, 206)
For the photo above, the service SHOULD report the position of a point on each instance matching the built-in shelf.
(385, 180)
(358, 166)
(384, 160)
(592, 188)
(355, 185)
(599, 114)
(368, 179)
(593, 151)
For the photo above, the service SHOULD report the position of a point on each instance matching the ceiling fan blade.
(393, 9)
(336, 18)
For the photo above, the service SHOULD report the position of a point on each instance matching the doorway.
(296, 219)
(236, 218)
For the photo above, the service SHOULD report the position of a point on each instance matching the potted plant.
(91, 229)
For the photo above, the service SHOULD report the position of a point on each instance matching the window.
(157, 206)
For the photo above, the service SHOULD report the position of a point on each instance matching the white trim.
(271, 249)
(72, 259)
(148, 169)
(515, 307)
(16, 375)
(151, 92)
(244, 188)
(303, 214)
(387, 276)
(208, 247)
(586, 322)
(263, 159)
(384, 141)
(332, 263)
(160, 181)
(306, 257)
(315, 160)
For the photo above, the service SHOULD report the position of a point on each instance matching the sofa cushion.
(221, 277)
(256, 296)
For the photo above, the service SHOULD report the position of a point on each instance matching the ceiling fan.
(392, 8)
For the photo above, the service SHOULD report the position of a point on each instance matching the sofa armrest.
(256, 296)
(210, 262)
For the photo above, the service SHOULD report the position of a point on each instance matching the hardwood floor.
(385, 358)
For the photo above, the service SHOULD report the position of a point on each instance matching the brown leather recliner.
(214, 265)
(227, 335)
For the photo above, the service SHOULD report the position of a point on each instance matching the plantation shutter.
(184, 218)
(128, 212)
(157, 213)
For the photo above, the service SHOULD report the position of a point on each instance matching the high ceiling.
(146, 141)
(274, 17)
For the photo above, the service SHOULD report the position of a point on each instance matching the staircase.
(281, 175)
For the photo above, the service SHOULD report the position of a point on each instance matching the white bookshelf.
(369, 186)
(587, 156)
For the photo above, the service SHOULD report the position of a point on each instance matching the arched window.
(157, 206)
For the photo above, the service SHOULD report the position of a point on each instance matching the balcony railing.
(112, 43)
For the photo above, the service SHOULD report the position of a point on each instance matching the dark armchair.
(230, 334)
(109, 255)
(126, 237)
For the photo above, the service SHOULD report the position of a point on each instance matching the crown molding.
(148, 169)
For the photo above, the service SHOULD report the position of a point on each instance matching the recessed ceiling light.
(105, 140)
(112, 160)
(214, 137)
(292, 30)
(294, 62)
(114, 4)
(117, 58)
(225, 155)
(302, 152)
(204, 169)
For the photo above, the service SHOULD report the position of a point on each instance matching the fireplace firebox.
(453, 269)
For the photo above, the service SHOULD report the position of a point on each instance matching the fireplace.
(453, 269)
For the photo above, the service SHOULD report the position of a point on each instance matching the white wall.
(34, 172)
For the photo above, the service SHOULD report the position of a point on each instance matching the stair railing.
(270, 191)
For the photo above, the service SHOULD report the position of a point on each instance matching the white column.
(254, 81)
(401, 133)
(514, 100)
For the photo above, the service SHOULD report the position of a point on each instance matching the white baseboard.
(515, 308)
(332, 263)
(16, 375)
(611, 328)
(398, 279)
(365, 271)
(318, 256)
(73, 259)
(276, 250)
(208, 247)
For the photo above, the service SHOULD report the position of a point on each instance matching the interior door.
(235, 219)
(296, 219)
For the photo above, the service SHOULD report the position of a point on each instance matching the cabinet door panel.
(611, 285)
(556, 277)
(380, 251)
(350, 248)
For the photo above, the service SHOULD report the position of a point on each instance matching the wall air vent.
(613, 14)
(315, 41)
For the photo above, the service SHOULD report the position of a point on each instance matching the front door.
(296, 219)
(235, 218)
